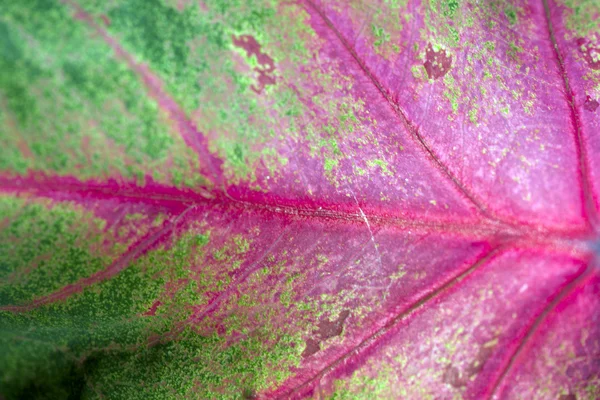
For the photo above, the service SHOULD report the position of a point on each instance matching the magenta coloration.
(394, 199)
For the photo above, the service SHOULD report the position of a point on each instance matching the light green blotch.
(447, 8)
(347, 118)
(400, 273)
(330, 164)
(592, 391)
(452, 92)
(513, 51)
(418, 72)
(473, 115)
(382, 164)
(381, 36)
(330, 305)
(243, 245)
(372, 381)
(273, 160)
(233, 249)
(446, 20)
(385, 24)
(333, 145)
(489, 46)
(395, 4)
(360, 171)
(343, 121)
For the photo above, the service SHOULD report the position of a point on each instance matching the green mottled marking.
(72, 108)
(383, 166)
(330, 164)
(450, 7)
(380, 34)
(97, 340)
(47, 247)
(441, 19)
(385, 25)
(452, 92)
(489, 46)
(580, 17)
(192, 50)
(473, 115)
(104, 313)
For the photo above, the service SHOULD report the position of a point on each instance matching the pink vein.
(587, 199)
(379, 334)
(176, 200)
(410, 127)
(188, 131)
(134, 251)
(580, 280)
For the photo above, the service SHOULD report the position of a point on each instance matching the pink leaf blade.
(575, 46)
(501, 159)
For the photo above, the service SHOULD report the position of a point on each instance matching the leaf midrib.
(176, 201)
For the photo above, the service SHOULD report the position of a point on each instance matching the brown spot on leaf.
(591, 53)
(590, 104)
(567, 397)
(437, 63)
(266, 64)
(327, 329)
(312, 346)
(453, 377)
(477, 365)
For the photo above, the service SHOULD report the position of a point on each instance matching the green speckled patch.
(70, 107)
(581, 17)
(113, 328)
(46, 246)
(87, 323)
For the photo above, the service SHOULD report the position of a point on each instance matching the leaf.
(322, 199)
